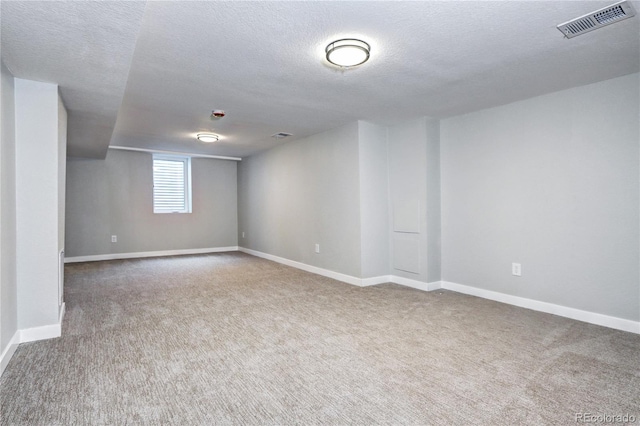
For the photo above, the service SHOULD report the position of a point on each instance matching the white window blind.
(171, 184)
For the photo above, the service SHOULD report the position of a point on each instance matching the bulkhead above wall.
(149, 74)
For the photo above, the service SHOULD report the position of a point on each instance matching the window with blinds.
(171, 184)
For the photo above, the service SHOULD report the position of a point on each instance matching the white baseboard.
(366, 282)
(40, 333)
(44, 332)
(313, 269)
(420, 285)
(62, 309)
(550, 308)
(31, 335)
(115, 256)
(360, 282)
(9, 351)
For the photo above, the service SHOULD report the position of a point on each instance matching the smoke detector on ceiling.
(598, 19)
(217, 113)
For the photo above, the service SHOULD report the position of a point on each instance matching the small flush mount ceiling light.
(348, 52)
(207, 137)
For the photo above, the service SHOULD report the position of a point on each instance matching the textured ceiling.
(262, 62)
(84, 47)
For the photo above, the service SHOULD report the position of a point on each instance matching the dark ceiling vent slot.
(598, 19)
(577, 27)
(281, 135)
(614, 13)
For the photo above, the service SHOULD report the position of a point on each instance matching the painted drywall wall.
(304, 193)
(552, 183)
(62, 169)
(434, 209)
(374, 199)
(62, 177)
(409, 145)
(8, 277)
(115, 197)
(36, 114)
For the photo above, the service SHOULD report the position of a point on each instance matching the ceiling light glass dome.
(208, 137)
(348, 52)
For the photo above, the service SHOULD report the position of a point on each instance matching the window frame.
(186, 160)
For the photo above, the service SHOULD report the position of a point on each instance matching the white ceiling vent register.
(281, 135)
(598, 19)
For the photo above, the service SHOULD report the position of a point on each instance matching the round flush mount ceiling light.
(207, 137)
(348, 52)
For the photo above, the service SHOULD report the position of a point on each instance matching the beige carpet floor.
(233, 339)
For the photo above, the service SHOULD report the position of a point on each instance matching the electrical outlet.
(317, 248)
(114, 238)
(516, 269)
(243, 235)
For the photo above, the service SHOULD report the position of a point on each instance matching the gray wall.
(302, 193)
(552, 183)
(62, 169)
(360, 191)
(37, 112)
(414, 199)
(434, 208)
(8, 286)
(374, 199)
(62, 187)
(115, 197)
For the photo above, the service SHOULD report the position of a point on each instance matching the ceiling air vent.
(281, 135)
(598, 19)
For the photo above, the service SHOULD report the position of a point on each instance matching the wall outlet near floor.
(516, 269)
(317, 248)
(114, 238)
(243, 235)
